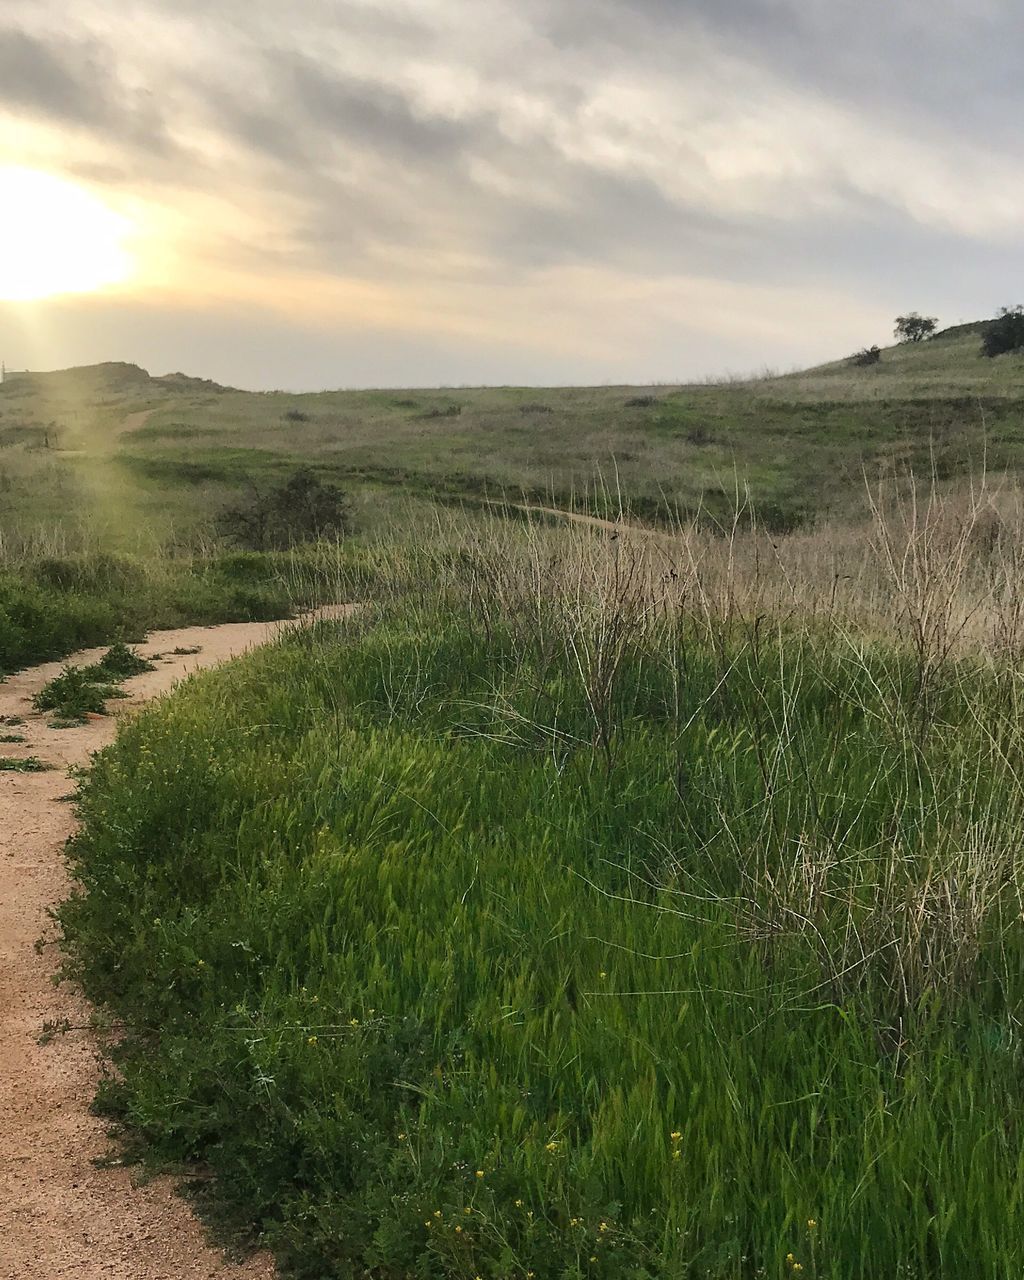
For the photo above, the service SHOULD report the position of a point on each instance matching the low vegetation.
(52, 605)
(23, 764)
(1005, 334)
(592, 906)
(79, 692)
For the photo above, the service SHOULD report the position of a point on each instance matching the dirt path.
(595, 522)
(60, 1216)
(132, 422)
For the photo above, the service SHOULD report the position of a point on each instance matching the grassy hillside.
(74, 447)
(594, 906)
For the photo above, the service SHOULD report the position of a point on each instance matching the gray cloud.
(58, 79)
(482, 144)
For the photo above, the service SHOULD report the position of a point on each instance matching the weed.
(119, 663)
(74, 695)
(12, 737)
(24, 764)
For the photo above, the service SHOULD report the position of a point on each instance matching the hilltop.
(114, 377)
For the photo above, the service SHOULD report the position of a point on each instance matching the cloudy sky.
(394, 192)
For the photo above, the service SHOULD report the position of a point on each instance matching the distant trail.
(132, 422)
(59, 1215)
(595, 522)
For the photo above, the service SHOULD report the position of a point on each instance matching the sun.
(55, 238)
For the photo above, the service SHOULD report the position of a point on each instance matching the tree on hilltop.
(915, 328)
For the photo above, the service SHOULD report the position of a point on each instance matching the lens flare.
(56, 238)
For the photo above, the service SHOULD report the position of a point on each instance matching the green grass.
(492, 937)
(51, 605)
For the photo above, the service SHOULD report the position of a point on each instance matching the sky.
(346, 193)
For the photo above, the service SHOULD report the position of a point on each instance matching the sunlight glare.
(55, 238)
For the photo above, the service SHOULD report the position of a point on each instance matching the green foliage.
(120, 662)
(23, 764)
(914, 327)
(450, 955)
(869, 356)
(73, 696)
(1005, 334)
(302, 509)
(50, 607)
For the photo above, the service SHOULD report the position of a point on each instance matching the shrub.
(449, 411)
(869, 355)
(642, 402)
(120, 662)
(302, 509)
(73, 696)
(1005, 333)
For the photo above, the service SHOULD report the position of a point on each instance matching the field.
(594, 902)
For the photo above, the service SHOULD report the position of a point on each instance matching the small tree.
(302, 509)
(1005, 333)
(915, 328)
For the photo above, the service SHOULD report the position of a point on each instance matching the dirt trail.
(59, 1215)
(597, 522)
(132, 422)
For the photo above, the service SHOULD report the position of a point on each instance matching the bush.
(303, 509)
(869, 355)
(449, 411)
(1004, 334)
(73, 695)
(120, 662)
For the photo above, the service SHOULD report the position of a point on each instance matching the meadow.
(593, 903)
(590, 907)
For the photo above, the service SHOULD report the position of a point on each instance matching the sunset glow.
(56, 238)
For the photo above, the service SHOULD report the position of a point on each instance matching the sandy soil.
(60, 1216)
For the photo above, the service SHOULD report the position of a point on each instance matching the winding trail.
(60, 1215)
